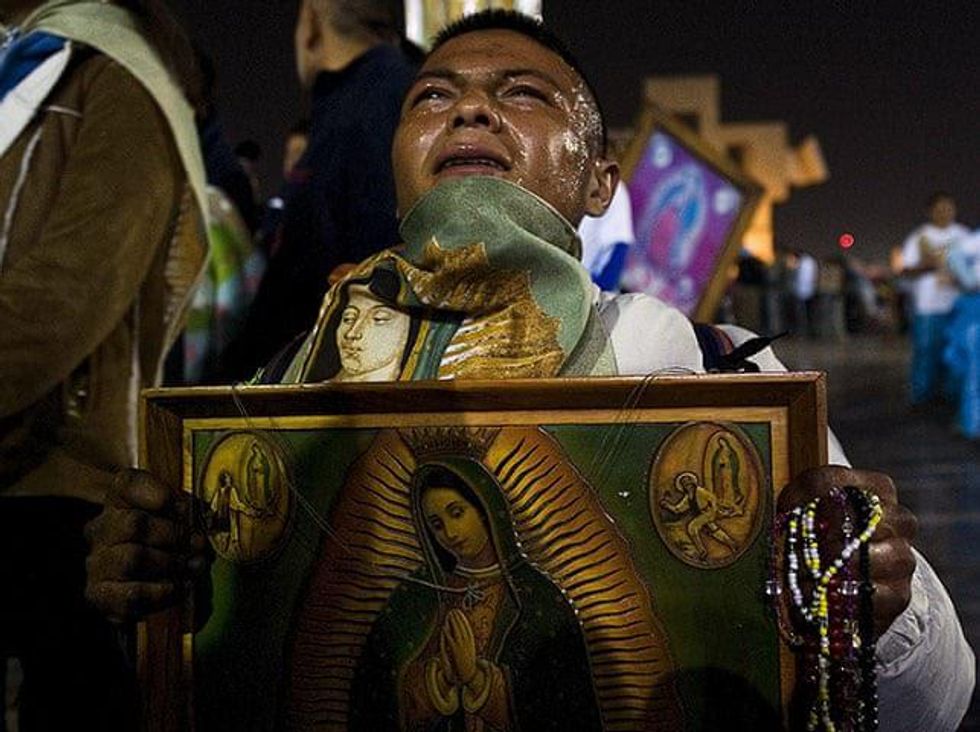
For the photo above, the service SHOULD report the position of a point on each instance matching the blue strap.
(22, 55)
(608, 278)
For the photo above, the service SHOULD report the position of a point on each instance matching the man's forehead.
(500, 51)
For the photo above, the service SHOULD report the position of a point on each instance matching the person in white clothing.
(606, 240)
(934, 291)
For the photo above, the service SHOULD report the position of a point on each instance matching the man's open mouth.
(471, 164)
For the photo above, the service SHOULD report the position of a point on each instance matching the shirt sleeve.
(673, 350)
(911, 252)
(117, 197)
(926, 668)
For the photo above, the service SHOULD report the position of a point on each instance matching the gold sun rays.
(373, 547)
(568, 536)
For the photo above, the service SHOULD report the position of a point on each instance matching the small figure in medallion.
(703, 507)
(244, 500)
(725, 466)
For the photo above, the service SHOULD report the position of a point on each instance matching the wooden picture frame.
(581, 487)
(704, 218)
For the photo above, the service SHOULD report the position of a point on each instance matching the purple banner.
(684, 211)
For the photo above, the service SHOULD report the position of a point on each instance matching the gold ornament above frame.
(501, 553)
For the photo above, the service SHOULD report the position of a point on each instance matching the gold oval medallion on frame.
(705, 492)
(244, 496)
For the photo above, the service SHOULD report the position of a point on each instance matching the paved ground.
(937, 473)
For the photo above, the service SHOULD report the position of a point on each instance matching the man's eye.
(348, 317)
(526, 91)
(429, 94)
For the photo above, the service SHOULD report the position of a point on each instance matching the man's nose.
(475, 109)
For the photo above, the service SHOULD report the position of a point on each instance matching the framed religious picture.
(516, 555)
(691, 206)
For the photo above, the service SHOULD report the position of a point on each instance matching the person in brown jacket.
(101, 242)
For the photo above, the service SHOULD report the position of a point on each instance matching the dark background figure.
(249, 154)
(234, 214)
(339, 202)
(222, 164)
(803, 291)
(748, 293)
(294, 147)
(829, 310)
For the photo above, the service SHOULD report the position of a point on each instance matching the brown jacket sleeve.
(73, 281)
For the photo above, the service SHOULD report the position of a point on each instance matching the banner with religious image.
(690, 209)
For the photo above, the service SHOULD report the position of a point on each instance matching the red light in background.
(846, 241)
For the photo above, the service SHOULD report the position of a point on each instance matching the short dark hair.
(939, 196)
(535, 30)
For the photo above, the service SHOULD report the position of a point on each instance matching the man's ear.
(310, 23)
(307, 40)
(602, 185)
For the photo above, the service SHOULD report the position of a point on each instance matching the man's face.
(943, 212)
(497, 103)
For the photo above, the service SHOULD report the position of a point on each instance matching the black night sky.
(892, 90)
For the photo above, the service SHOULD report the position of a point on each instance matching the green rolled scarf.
(490, 277)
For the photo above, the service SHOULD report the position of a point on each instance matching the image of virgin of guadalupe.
(477, 638)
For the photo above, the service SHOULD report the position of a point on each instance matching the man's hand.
(890, 550)
(143, 557)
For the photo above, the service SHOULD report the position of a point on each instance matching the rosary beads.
(828, 616)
